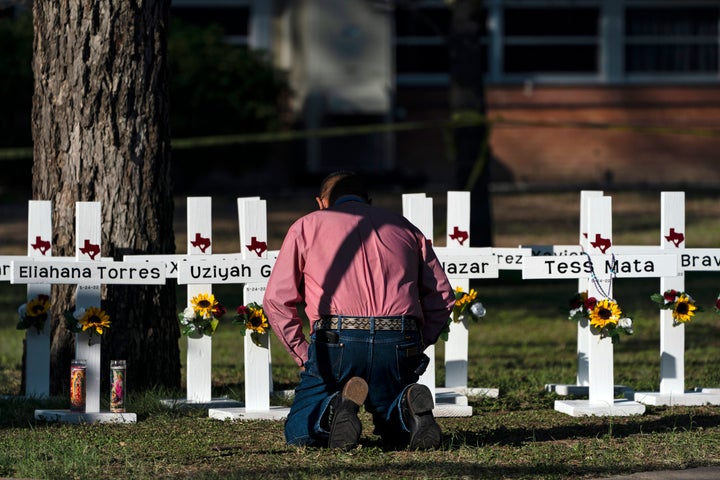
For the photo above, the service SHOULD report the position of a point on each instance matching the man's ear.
(322, 203)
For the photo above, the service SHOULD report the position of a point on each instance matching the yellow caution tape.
(458, 120)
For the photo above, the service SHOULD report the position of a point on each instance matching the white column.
(37, 361)
(600, 350)
(418, 208)
(672, 338)
(199, 348)
(252, 215)
(456, 347)
(583, 378)
(88, 246)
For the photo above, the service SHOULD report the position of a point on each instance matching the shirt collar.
(349, 198)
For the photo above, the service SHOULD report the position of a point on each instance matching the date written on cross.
(631, 266)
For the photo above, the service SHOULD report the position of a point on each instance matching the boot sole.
(346, 427)
(355, 390)
(427, 434)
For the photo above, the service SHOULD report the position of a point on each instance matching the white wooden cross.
(601, 265)
(252, 216)
(199, 269)
(418, 208)
(461, 263)
(37, 358)
(199, 347)
(672, 338)
(581, 386)
(89, 271)
(37, 343)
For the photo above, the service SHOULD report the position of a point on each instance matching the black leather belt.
(397, 323)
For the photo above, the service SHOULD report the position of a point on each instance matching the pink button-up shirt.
(357, 260)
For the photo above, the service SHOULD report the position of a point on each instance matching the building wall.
(630, 134)
(573, 88)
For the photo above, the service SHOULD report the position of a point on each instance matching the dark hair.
(341, 183)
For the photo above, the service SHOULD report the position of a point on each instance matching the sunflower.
(256, 320)
(462, 299)
(684, 308)
(204, 304)
(605, 313)
(34, 313)
(94, 319)
(38, 306)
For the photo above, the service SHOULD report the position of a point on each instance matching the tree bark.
(467, 100)
(100, 127)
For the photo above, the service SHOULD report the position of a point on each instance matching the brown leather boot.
(345, 426)
(416, 406)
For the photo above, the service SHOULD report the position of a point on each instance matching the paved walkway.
(702, 473)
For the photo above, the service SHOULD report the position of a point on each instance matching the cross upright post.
(456, 347)
(418, 208)
(672, 390)
(37, 360)
(601, 266)
(88, 246)
(252, 216)
(457, 243)
(672, 338)
(583, 375)
(199, 346)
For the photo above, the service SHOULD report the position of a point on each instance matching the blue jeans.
(385, 359)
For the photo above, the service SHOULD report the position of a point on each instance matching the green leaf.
(212, 326)
(657, 297)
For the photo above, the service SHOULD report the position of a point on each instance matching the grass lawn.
(524, 343)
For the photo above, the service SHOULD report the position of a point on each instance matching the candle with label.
(77, 385)
(118, 370)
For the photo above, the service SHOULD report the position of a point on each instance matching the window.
(421, 49)
(671, 40)
(552, 40)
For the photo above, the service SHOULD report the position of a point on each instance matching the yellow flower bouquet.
(252, 317)
(202, 316)
(34, 313)
(681, 303)
(94, 320)
(605, 316)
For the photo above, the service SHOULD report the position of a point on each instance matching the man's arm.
(282, 295)
(437, 297)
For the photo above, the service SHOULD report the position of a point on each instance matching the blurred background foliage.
(215, 88)
(16, 81)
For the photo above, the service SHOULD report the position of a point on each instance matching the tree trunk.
(101, 133)
(467, 100)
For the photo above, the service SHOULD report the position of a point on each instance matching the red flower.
(219, 311)
(590, 303)
(243, 310)
(576, 302)
(717, 303)
(670, 296)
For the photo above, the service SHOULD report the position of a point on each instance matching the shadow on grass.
(615, 427)
(431, 468)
